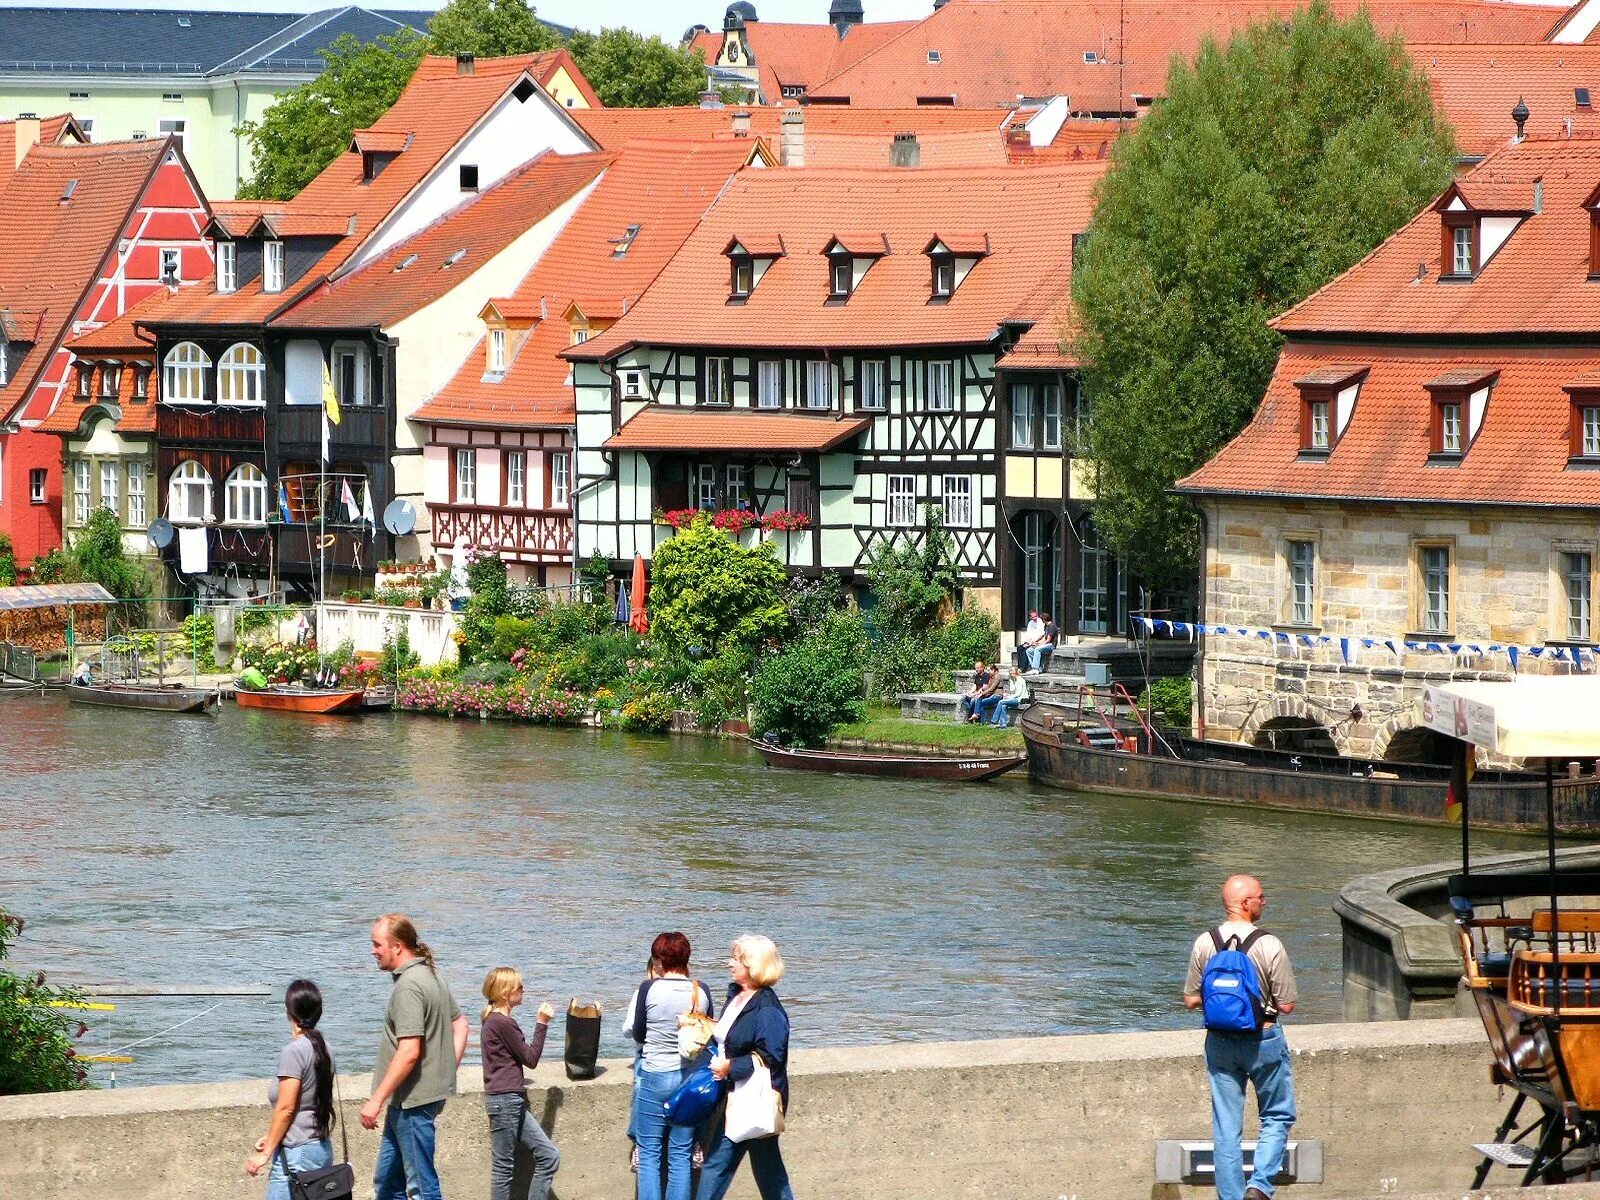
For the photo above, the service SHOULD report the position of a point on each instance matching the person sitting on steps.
(984, 706)
(981, 676)
(1044, 644)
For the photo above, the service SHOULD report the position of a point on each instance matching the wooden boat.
(294, 698)
(381, 696)
(969, 770)
(1138, 762)
(10, 686)
(155, 697)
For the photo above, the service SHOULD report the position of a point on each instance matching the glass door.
(1094, 581)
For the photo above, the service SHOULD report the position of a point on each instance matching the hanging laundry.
(193, 558)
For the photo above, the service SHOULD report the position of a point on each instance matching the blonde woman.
(753, 1023)
(505, 1054)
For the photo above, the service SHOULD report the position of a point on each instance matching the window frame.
(464, 476)
(516, 479)
(867, 368)
(937, 365)
(38, 485)
(360, 376)
(1564, 554)
(110, 380)
(956, 521)
(274, 266)
(907, 519)
(242, 369)
(943, 270)
(818, 369)
(1023, 415)
(1301, 611)
(736, 486)
(1051, 397)
(1421, 610)
(198, 481)
(723, 365)
(497, 351)
(194, 368)
(1583, 429)
(764, 368)
(176, 256)
(227, 266)
(244, 497)
(138, 499)
(741, 276)
(560, 479)
(82, 497)
(837, 263)
(85, 382)
(707, 487)
(111, 486)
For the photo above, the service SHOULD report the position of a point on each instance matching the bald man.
(1258, 1057)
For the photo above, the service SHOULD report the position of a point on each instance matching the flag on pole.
(330, 398)
(1462, 769)
(351, 509)
(366, 505)
(324, 439)
(283, 503)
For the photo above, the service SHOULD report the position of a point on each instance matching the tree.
(1272, 165)
(708, 593)
(101, 557)
(630, 70)
(306, 128)
(36, 1037)
(490, 29)
(813, 684)
(8, 562)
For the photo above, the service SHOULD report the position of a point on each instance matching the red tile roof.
(1028, 216)
(51, 247)
(53, 131)
(1518, 457)
(674, 427)
(122, 339)
(663, 188)
(992, 51)
(1046, 346)
(419, 270)
(1537, 282)
(802, 55)
(1476, 87)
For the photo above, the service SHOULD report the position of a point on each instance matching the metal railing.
(18, 662)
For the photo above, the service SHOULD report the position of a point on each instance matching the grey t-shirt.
(669, 998)
(298, 1060)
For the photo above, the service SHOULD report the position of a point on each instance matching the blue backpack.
(1230, 987)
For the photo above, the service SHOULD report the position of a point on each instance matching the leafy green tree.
(8, 562)
(707, 593)
(101, 558)
(490, 29)
(36, 1052)
(489, 600)
(813, 684)
(1272, 165)
(630, 70)
(306, 128)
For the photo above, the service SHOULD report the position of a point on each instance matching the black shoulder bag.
(337, 1182)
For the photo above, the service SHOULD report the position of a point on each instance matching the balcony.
(524, 535)
(349, 548)
(246, 547)
(209, 425)
(299, 427)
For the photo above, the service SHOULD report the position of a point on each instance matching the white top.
(1034, 631)
(729, 1016)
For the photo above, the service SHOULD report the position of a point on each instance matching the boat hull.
(303, 700)
(1057, 759)
(154, 699)
(964, 770)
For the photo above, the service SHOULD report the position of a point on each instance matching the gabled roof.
(419, 270)
(58, 130)
(122, 339)
(1476, 87)
(683, 427)
(801, 55)
(52, 245)
(1536, 282)
(1028, 214)
(993, 51)
(1518, 457)
(663, 188)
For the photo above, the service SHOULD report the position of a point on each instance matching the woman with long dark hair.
(301, 1096)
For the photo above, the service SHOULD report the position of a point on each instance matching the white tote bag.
(755, 1110)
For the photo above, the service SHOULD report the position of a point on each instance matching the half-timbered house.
(499, 436)
(821, 355)
(87, 231)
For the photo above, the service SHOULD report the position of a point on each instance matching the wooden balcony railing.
(300, 425)
(542, 534)
(209, 425)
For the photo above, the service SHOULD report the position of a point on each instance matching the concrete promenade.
(1395, 1105)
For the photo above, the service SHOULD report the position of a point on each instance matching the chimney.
(1538, 195)
(27, 135)
(1519, 114)
(466, 64)
(1019, 139)
(710, 100)
(791, 138)
(905, 152)
(741, 123)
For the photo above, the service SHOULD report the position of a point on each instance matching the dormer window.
(849, 259)
(1461, 258)
(951, 258)
(227, 267)
(1476, 217)
(85, 377)
(1327, 400)
(110, 380)
(497, 351)
(744, 276)
(944, 275)
(1460, 397)
(748, 261)
(1592, 204)
(841, 276)
(272, 266)
(1583, 425)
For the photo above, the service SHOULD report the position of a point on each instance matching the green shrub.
(718, 687)
(650, 712)
(707, 592)
(903, 662)
(968, 636)
(397, 657)
(8, 562)
(1173, 696)
(54, 566)
(98, 550)
(804, 691)
(263, 618)
(36, 1053)
(200, 636)
(487, 671)
(812, 600)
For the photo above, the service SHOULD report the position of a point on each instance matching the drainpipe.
(238, 149)
(1200, 617)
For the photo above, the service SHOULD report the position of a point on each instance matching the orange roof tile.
(675, 427)
(1047, 344)
(1518, 457)
(661, 187)
(1537, 282)
(801, 55)
(1476, 87)
(51, 247)
(378, 141)
(124, 340)
(124, 333)
(989, 52)
(58, 130)
(424, 267)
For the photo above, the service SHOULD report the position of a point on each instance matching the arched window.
(189, 494)
(183, 376)
(245, 501)
(241, 373)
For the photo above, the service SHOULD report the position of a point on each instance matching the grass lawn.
(884, 724)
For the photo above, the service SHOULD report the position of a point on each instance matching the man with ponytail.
(424, 1037)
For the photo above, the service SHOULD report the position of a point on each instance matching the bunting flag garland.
(1351, 645)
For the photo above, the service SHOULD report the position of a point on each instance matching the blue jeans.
(306, 1157)
(511, 1124)
(657, 1139)
(633, 1105)
(1036, 655)
(766, 1164)
(1003, 711)
(405, 1155)
(1232, 1060)
(984, 708)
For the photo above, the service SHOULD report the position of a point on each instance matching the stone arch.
(1401, 739)
(1284, 707)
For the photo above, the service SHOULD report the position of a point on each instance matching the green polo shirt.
(420, 1006)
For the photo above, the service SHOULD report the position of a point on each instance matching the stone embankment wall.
(1396, 1107)
(1505, 587)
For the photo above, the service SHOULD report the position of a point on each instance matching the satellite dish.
(160, 533)
(399, 518)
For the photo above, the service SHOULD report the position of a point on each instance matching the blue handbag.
(696, 1099)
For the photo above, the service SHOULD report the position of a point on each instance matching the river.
(253, 847)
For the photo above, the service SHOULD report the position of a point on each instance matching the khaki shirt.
(1270, 958)
(420, 1006)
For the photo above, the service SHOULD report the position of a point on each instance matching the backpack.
(1230, 987)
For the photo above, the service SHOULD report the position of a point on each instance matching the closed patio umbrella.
(623, 611)
(637, 618)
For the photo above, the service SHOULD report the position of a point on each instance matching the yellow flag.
(330, 398)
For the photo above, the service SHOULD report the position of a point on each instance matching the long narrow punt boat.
(292, 698)
(1066, 752)
(157, 698)
(11, 686)
(898, 766)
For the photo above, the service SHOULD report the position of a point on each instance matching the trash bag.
(695, 1100)
(583, 1039)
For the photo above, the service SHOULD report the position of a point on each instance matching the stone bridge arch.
(1287, 710)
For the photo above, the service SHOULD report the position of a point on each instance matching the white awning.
(1538, 716)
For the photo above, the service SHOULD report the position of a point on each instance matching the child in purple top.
(505, 1054)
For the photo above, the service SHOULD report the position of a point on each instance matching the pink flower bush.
(515, 699)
